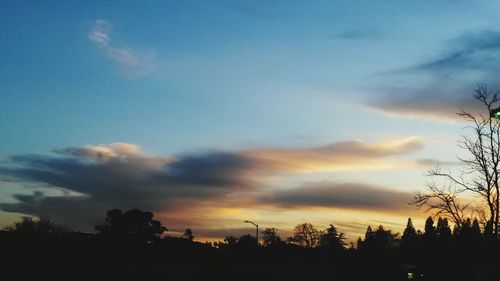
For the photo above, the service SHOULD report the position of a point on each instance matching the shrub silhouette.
(40, 226)
(188, 234)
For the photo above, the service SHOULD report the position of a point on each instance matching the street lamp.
(495, 113)
(256, 232)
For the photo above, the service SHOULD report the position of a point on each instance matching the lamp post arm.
(256, 232)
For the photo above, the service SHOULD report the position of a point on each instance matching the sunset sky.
(209, 113)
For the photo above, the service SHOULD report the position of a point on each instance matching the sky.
(209, 113)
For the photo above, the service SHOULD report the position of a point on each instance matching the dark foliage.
(41, 226)
(305, 235)
(332, 239)
(270, 237)
(114, 254)
(188, 234)
(132, 225)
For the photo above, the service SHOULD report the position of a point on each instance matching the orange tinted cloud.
(345, 155)
(120, 175)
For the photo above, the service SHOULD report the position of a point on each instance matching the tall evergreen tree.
(429, 230)
(409, 233)
(465, 230)
(488, 230)
(443, 230)
(359, 243)
(368, 233)
(332, 239)
(476, 230)
(456, 233)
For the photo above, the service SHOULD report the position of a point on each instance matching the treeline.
(132, 245)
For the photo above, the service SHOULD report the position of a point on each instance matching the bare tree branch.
(481, 174)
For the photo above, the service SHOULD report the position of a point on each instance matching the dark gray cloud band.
(110, 178)
(121, 176)
(340, 195)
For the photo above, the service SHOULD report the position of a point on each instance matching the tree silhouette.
(305, 235)
(133, 224)
(40, 226)
(270, 237)
(368, 233)
(430, 229)
(409, 233)
(247, 241)
(488, 233)
(434, 255)
(469, 231)
(481, 175)
(332, 239)
(410, 242)
(188, 234)
(443, 231)
(379, 240)
(230, 240)
(475, 230)
(359, 242)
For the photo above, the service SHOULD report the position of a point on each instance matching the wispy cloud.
(478, 51)
(99, 34)
(429, 162)
(445, 84)
(131, 62)
(120, 175)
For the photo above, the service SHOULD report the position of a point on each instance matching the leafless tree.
(305, 235)
(442, 200)
(480, 175)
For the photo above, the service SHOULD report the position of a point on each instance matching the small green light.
(495, 113)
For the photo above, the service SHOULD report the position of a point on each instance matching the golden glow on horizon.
(229, 221)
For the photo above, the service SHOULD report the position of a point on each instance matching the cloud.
(131, 62)
(429, 162)
(101, 152)
(345, 155)
(96, 178)
(99, 34)
(442, 86)
(119, 175)
(436, 101)
(477, 51)
(339, 195)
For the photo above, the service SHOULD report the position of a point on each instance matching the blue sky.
(183, 79)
